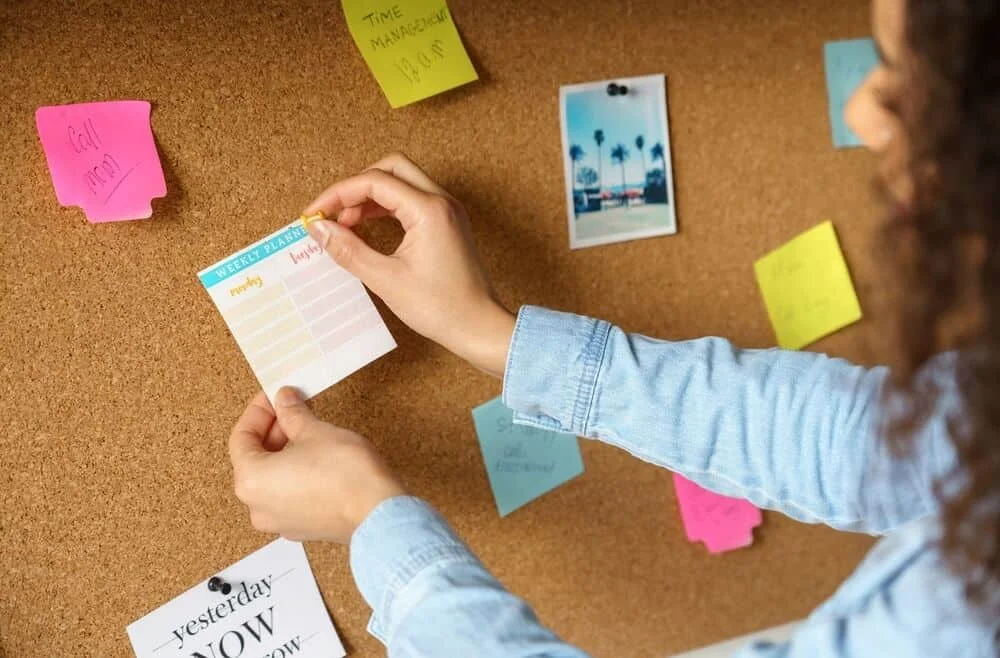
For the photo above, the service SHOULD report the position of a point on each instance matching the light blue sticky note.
(522, 462)
(848, 63)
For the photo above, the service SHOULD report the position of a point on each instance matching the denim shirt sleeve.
(791, 431)
(430, 596)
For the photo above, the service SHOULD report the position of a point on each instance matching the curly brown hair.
(945, 243)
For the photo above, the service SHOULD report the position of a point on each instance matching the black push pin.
(216, 584)
(617, 89)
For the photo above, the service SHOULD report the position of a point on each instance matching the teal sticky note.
(847, 63)
(522, 462)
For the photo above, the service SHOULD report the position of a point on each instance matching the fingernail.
(288, 397)
(321, 230)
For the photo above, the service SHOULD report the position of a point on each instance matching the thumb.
(293, 414)
(349, 251)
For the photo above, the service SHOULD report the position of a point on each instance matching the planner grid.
(300, 319)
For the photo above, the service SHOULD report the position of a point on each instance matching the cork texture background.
(120, 382)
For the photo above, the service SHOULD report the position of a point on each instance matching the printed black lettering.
(198, 654)
(256, 626)
(226, 653)
(266, 625)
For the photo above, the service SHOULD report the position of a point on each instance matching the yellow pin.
(307, 219)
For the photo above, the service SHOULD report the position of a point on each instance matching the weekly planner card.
(102, 158)
(300, 319)
(807, 288)
(269, 605)
(522, 462)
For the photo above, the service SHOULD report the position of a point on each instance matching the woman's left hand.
(304, 478)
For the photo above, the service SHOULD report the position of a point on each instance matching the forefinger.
(399, 198)
(406, 169)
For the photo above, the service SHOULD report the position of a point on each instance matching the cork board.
(120, 382)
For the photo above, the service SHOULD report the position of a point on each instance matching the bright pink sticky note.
(102, 158)
(721, 523)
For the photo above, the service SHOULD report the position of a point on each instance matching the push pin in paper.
(615, 89)
(216, 584)
(308, 219)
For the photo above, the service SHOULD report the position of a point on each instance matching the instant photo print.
(616, 155)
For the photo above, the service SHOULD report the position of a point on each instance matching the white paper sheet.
(274, 610)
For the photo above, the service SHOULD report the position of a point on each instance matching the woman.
(792, 431)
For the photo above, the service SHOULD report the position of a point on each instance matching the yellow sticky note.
(412, 47)
(807, 288)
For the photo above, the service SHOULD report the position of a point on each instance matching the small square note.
(412, 47)
(300, 319)
(102, 158)
(522, 462)
(721, 523)
(848, 63)
(807, 288)
(268, 605)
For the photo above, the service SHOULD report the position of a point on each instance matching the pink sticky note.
(102, 158)
(721, 523)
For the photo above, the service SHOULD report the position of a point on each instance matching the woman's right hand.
(433, 281)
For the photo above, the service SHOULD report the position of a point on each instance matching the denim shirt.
(796, 432)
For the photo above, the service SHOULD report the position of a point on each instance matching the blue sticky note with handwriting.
(848, 63)
(522, 462)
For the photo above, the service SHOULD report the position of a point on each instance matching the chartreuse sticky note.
(412, 47)
(807, 288)
(522, 463)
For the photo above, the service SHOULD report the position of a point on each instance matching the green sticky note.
(522, 462)
(412, 47)
(807, 288)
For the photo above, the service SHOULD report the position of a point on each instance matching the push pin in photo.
(216, 584)
(615, 89)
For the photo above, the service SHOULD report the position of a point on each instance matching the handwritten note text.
(807, 288)
(412, 47)
(102, 158)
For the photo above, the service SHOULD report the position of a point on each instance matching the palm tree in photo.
(599, 138)
(640, 143)
(619, 154)
(575, 155)
(656, 185)
(586, 177)
(657, 152)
